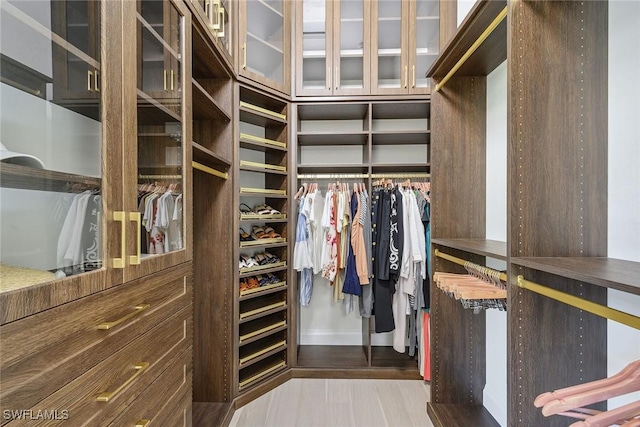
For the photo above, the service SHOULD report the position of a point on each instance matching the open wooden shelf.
(335, 168)
(489, 248)
(262, 290)
(262, 168)
(259, 116)
(446, 415)
(332, 138)
(262, 353)
(488, 56)
(606, 272)
(153, 112)
(27, 178)
(378, 168)
(261, 144)
(262, 269)
(263, 311)
(264, 243)
(259, 329)
(257, 373)
(400, 137)
(207, 157)
(205, 107)
(332, 356)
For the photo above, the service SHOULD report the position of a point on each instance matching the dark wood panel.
(444, 415)
(489, 54)
(387, 357)
(28, 178)
(205, 106)
(212, 414)
(209, 158)
(558, 157)
(607, 272)
(490, 248)
(214, 289)
(557, 345)
(458, 158)
(331, 356)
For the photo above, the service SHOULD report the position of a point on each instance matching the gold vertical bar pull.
(108, 395)
(164, 79)
(143, 422)
(89, 79)
(244, 55)
(96, 80)
(413, 76)
(172, 79)
(118, 216)
(136, 217)
(406, 76)
(216, 13)
(335, 77)
(137, 310)
(328, 77)
(222, 13)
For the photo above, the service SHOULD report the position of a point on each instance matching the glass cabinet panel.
(160, 129)
(224, 33)
(389, 37)
(427, 40)
(264, 47)
(352, 41)
(51, 207)
(316, 69)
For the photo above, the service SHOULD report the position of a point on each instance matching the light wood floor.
(339, 403)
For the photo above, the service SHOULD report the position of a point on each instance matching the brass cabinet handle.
(138, 309)
(136, 217)
(221, 25)
(89, 78)
(216, 14)
(413, 78)
(244, 55)
(335, 77)
(406, 76)
(96, 80)
(328, 77)
(172, 78)
(206, 9)
(164, 80)
(119, 216)
(143, 422)
(108, 395)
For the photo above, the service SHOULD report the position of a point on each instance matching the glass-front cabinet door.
(264, 42)
(424, 42)
(217, 16)
(57, 151)
(156, 188)
(390, 70)
(333, 56)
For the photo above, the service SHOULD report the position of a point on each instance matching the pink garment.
(330, 266)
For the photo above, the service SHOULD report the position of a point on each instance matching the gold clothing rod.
(160, 176)
(401, 175)
(462, 262)
(333, 175)
(473, 47)
(581, 303)
(210, 171)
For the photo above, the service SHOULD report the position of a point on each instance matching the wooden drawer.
(105, 391)
(43, 352)
(162, 400)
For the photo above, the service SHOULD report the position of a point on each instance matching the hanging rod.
(210, 171)
(332, 175)
(473, 47)
(160, 176)
(462, 262)
(581, 303)
(401, 175)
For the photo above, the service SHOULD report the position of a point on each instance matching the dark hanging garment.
(426, 284)
(351, 281)
(383, 292)
(396, 239)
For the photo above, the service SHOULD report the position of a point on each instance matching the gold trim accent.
(266, 350)
(262, 331)
(108, 395)
(262, 110)
(251, 190)
(474, 46)
(138, 309)
(210, 171)
(143, 422)
(262, 165)
(137, 218)
(260, 242)
(119, 216)
(401, 175)
(262, 309)
(262, 374)
(263, 267)
(263, 288)
(253, 138)
(581, 303)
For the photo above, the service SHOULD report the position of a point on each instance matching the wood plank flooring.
(312, 402)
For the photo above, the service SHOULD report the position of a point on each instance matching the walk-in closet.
(319, 212)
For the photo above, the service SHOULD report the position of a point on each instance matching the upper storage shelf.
(489, 54)
(490, 248)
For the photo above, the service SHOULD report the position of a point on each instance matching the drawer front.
(43, 352)
(105, 391)
(162, 399)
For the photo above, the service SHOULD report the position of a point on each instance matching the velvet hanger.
(580, 396)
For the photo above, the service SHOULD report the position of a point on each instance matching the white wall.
(495, 391)
(624, 175)
(464, 6)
